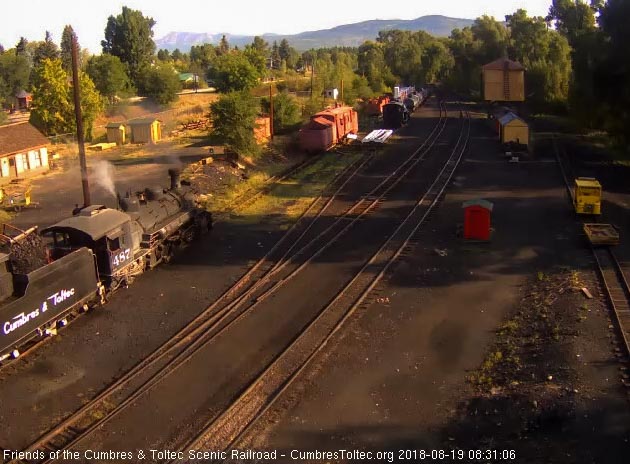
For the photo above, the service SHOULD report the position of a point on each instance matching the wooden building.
(116, 133)
(513, 129)
(23, 151)
(503, 80)
(145, 130)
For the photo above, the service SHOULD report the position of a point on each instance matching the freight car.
(395, 115)
(146, 230)
(374, 106)
(92, 253)
(328, 128)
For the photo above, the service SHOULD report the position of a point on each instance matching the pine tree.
(66, 47)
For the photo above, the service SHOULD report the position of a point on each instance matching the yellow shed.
(513, 129)
(145, 130)
(116, 133)
(503, 80)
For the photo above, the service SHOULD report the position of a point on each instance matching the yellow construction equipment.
(16, 195)
(588, 196)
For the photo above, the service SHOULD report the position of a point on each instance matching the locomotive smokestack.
(174, 175)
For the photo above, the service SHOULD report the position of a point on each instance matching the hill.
(350, 35)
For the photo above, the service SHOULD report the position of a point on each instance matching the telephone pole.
(79, 117)
(271, 111)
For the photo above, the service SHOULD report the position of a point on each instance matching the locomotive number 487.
(121, 257)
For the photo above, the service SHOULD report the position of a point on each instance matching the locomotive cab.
(107, 232)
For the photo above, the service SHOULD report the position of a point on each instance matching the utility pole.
(342, 91)
(312, 74)
(271, 110)
(79, 117)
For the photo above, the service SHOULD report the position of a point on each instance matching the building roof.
(23, 94)
(507, 118)
(15, 138)
(114, 125)
(587, 182)
(140, 121)
(503, 63)
(186, 76)
(478, 202)
(95, 221)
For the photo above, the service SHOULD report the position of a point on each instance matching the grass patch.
(288, 199)
(5, 216)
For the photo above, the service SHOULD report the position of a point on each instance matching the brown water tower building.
(503, 80)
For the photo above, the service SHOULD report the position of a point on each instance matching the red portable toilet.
(477, 219)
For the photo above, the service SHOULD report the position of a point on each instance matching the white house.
(23, 151)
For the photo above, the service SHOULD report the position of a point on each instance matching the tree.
(260, 45)
(203, 56)
(53, 103)
(46, 50)
(129, 36)
(1, 49)
(275, 56)
(66, 47)
(20, 48)
(284, 50)
(164, 55)
(545, 54)
(234, 120)
(612, 78)
(160, 82)
(109, 75)
(233, 72)
(286, 111)
(177, 54)
(256, 59)
(14, 74)
(224, 46)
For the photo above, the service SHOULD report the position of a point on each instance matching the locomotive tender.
(96, 250)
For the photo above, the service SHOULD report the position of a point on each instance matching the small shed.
(513, 129)
(503, 80)
(145, 130)
(331, 93)
(116, 133)
(477, 219)
(24, 99)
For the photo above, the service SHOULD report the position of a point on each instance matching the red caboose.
(328, 128)
(316, 135)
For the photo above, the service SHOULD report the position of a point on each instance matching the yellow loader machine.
(16, 195)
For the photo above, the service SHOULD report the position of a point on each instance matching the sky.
(31, 18)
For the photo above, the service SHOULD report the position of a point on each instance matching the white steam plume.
(103, 175)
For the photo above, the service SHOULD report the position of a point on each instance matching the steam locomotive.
(88, 255)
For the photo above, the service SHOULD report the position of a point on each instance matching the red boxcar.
(340, 121)
(374, 106)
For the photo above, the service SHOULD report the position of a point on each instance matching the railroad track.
(213, 320)
(614, 275)
(224, 430)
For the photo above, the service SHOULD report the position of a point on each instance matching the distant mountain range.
(350, 35)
